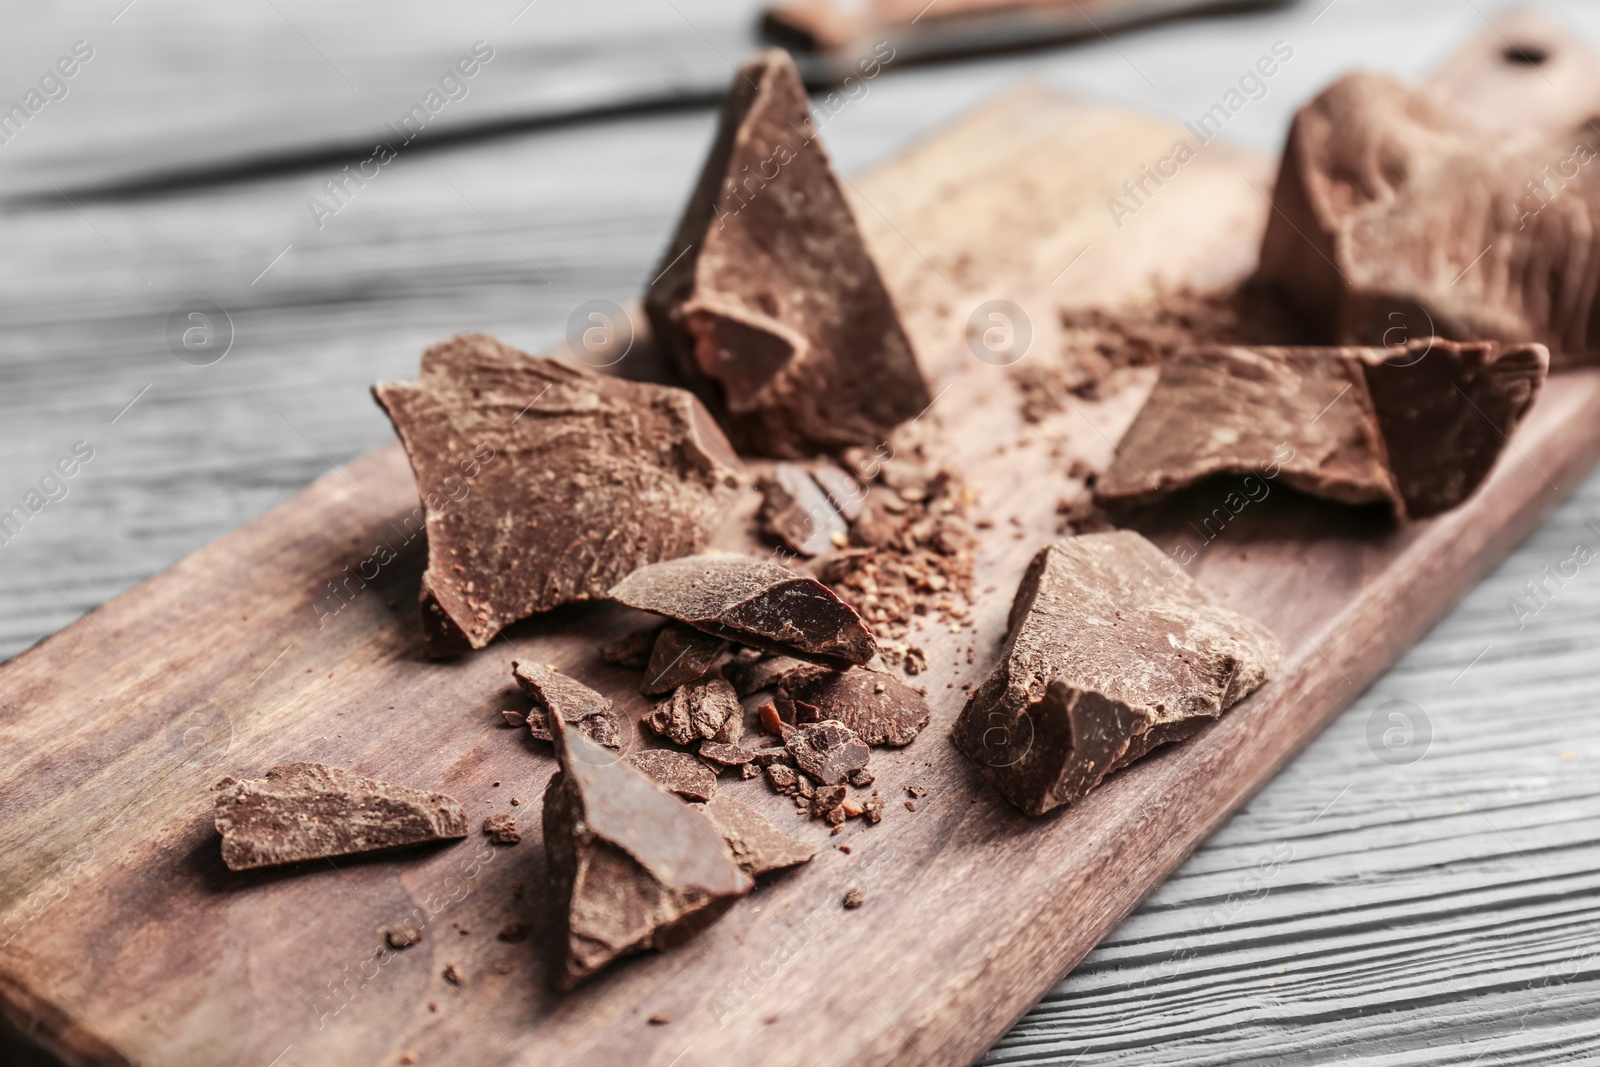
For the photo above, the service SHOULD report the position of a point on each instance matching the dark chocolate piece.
(878, 708)
(872, 807)
(502, 830)
(796, 512)
(402, 935)
(514, 933)
(826, 800)
(828, 751)
(681, 655)
(677, 772)
(554, 694)
(1397, 215)
(862, 778)
(767, 294)
(701, 710)
(751, 675)
(783, 778)
(1112, 650)
(845, 494)
(543, 484)
(854, 898)
(726, 755)
(757, 846)
(633, 867)
(1417, 426)
(305, 811)
(754, 602)
(631, 650)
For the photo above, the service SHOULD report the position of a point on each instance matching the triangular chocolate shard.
(305, 811)
(758, 847)
(753, 602)
(1417, 426)
(1397, 216)
(877, 707)
(769, 298)
(554, 695)
(543, 484)
(1112, 650)
(634, 867)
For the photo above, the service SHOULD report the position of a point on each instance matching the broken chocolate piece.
(1397, 215)
(1112, 650)
(756, 675)
(844, 492)
(854, 898)
(726, 755)
(768, 294)
(554, 694)
(514, 933)
(796, 512)
(828, 751)
(502, 830)
(826, 799)
(514, 718)
(784, 779)
(632, 650)
(754, 602)
(681, 655)
(305, 811)
(707, 709)
(757, 846)
(862, 778)
(453, 975)
(873, 808)
(1416, 426)
(634, 867)
(880, 709)
(543, 484)
(402, 935)
(676, 772)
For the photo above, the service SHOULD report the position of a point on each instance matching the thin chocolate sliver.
(633, 867)
(751, 675)
(769, 299)
(1112, 651)
(305, 811)
(543, 484)
(753, 602)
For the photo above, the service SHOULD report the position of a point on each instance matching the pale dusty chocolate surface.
(544, 484)
(634, 868)
(1398, 216)
(1417, 427)
(1112, 650)
(767, 296)
(677, 772)
(758, 847)
(306, 811)
(753, 602)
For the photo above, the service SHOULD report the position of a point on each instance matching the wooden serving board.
(125, 940)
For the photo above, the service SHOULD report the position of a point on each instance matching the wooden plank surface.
(1351, 955)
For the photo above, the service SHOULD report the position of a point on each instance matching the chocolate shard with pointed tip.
(796, 512)
(633, 867)
(769, 299)
(543, 484)
(1112, 650)
(305, 811)
(752, 602)
(877, 707)
(555, 696)
(1397, 215)
(1417, 427)
(681, 655)
(758, 847)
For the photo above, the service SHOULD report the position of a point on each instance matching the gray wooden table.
(1432, 901)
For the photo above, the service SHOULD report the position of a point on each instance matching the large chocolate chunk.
(1397, 216)
(681, 655)
(633, 867)
(1112, 650)
(305, 811)
(1417, 426)
(876, 707)
(753, 602)
(555, 696)
(542, 484)
(707, 710)
(757, 846)
(767, 294)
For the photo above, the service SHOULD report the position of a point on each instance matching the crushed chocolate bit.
(754, 602)
(1062, 709)
(916, 790)
(502, 830)
(778, 306)
(854, 898)
(771, 721)
(514, 718)
(659, 1019)
(872, 807)
(804, 787)
(515, 933)
(631, 650)
(783, 779)
(676, 772)
(633, 867)
(862, 778)
(828, 751)
(726, 755)
(749, 770)
(402, 935)
(797, 513)
(681, 655)
(595, 474)
(708, 709)
(757, 846)
(453, 975)
(878, 708)
(555, 694)
(852, 808)
(1416, 426)
(305, 811)
(911, 805)
(826, 799)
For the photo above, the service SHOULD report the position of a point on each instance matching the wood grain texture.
(1407, 929)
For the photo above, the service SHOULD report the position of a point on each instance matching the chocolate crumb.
(917, 790)
(828, 751)
(873, 808)
(453, 975)
(514, 718)
(402, 935)
(502, 830)
(515, 933)
(862, 778)
(659, 1019)
(854, 898)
